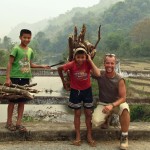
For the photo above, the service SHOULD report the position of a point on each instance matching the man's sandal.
(10, 127)
(92, 143)
(76, 142)
(21, 128)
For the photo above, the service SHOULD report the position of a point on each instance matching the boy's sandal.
(92, 143)
(21, 128)
(76, 142)
(10, 127)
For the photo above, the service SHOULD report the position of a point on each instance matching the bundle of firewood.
(15, 91)
(76, 41)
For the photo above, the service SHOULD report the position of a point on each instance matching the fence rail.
(36, 72)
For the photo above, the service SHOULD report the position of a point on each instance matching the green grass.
(95, 89)
(2, 79)
(140, 113)
(137, 89)
(27, 119)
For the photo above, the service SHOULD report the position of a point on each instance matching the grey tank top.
(108, 88)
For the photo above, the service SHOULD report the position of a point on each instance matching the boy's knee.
(88, 113)
(78, 113)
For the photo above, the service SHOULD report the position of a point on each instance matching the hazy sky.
(13, 12)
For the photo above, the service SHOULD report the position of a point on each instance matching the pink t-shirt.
(79, 75)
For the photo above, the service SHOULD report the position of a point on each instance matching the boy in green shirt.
(19, 72)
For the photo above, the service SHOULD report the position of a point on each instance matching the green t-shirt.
(21, 65)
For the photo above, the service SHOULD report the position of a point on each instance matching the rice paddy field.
(135, 65)
(137, 87)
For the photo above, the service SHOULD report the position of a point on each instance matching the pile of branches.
(15, 91)
(76, 41)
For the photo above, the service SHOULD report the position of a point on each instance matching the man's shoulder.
(102, 72)
(119, 76)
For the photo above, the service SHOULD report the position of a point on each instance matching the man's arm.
(9, 66)
(95, 70)
(122, 97)
(39, 66)
(122, 93)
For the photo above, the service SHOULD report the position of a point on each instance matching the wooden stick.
(17, 91)
(62, 62)
(99, 36)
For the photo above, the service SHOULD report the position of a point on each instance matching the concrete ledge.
(45, 131)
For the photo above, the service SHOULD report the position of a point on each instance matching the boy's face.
(25, 39)
(80, 58)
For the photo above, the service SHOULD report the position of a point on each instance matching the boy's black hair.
(25, 31)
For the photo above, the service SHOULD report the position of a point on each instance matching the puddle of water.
(49, 83)
(51, 113)
(3, 112)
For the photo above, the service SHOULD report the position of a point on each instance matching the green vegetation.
(27, 119)
(140, 113)
(125, 28)
(2, 79)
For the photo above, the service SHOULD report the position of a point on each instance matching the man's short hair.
(109, 55)
(25, 31)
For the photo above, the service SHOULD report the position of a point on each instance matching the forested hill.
(58, 26)
(125, 29)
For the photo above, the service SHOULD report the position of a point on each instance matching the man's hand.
(8, 82)
(107, 109)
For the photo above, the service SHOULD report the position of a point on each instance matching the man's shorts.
(118, 109)
(19, 81)
(77, 97)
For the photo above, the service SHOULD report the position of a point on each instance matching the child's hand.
(46, 67)
(66, 86)
(8, 82)
(89, 57)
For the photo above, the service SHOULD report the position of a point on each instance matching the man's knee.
(124, 108)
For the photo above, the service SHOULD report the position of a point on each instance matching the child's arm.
(95, 70)
(60, 72)
(39, 66)
(9, 66)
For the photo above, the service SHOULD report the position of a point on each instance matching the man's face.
(25, 39)
(80, 58)
(109, 64)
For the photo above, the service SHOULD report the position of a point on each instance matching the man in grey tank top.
(112, 94)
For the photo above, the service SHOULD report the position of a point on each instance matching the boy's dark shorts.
(19, 81)
(79, 96)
